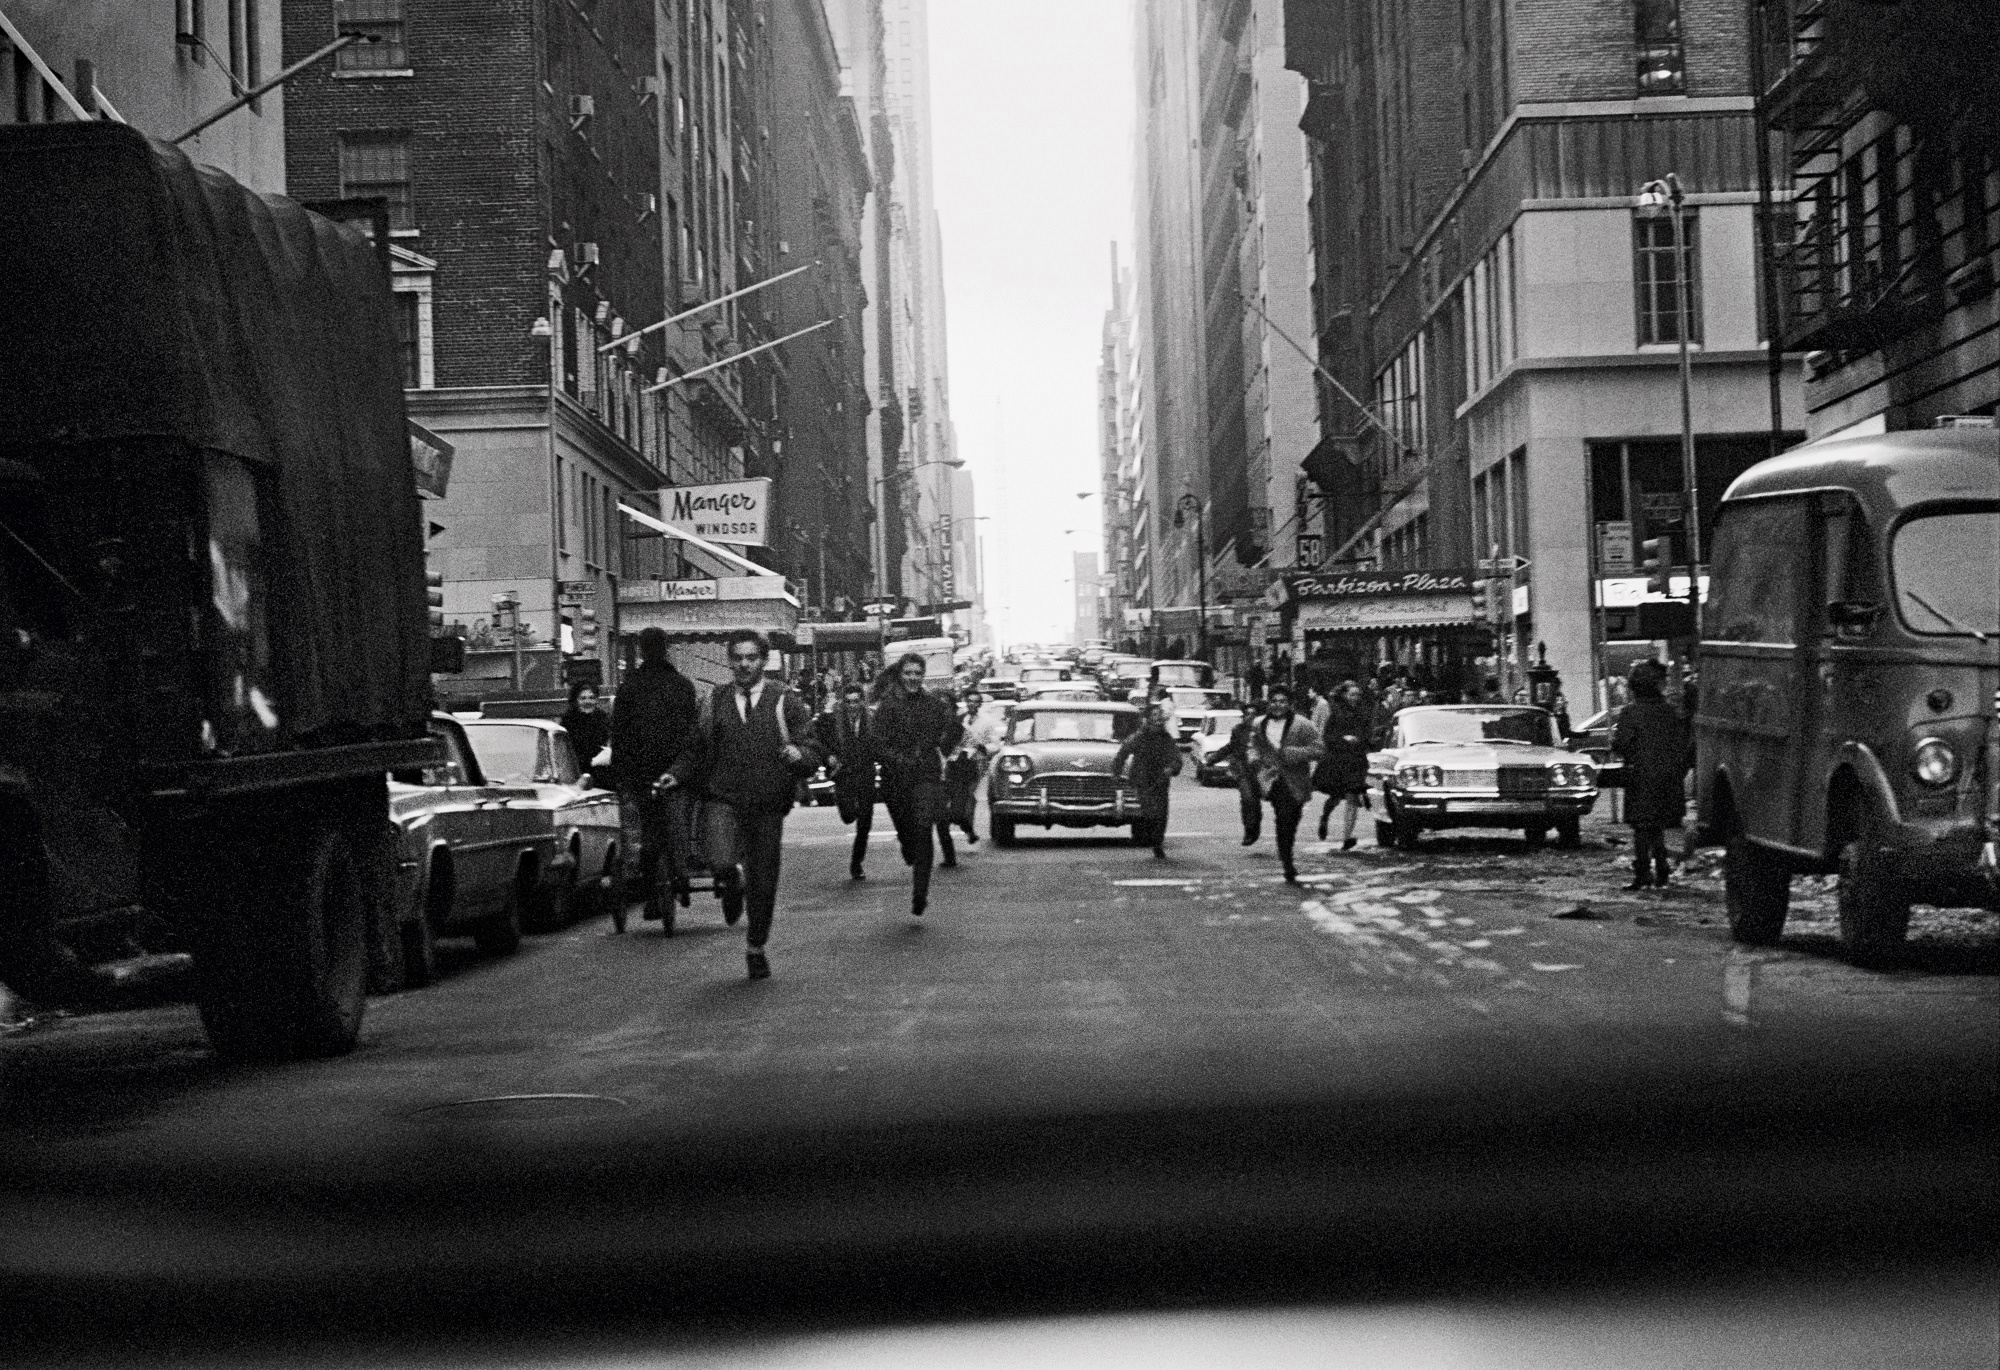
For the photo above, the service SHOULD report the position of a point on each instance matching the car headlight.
(1935, 763)
(1014, 761)
(1421, 776)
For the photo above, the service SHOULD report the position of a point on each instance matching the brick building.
(1487, 288)
(1887, 262)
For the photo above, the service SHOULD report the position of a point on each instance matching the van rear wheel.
(1758, 887)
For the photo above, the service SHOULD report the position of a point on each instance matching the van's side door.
(1849, 685)
(1756, 665)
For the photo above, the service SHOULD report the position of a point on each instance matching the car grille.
(1079, 789)
(1468, 780)
(1524, 782)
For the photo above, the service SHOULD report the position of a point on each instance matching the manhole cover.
(526, 1108)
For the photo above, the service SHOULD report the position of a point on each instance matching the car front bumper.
(1032, 803)
(1474, 809)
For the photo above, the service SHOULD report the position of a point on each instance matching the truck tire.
(1874, 906)
(284, 974)
(1758, 887)
(1003, 831)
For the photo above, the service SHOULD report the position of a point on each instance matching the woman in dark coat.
(1652, 740)
(585, 723)
(1154, 759)
(1343, 774)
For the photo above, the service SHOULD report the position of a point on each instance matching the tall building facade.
(161, 68)
(1225, 260)
(1121, 473)
(1501, 319)
(925, 529)
(818, 444)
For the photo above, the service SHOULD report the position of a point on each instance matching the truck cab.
(1849, 660)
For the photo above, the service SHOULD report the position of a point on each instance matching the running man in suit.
(1284, 748)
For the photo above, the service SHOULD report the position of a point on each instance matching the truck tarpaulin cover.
(145, 296)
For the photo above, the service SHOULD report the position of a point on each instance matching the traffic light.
(434, 596)
(1656, 559)
(586, 631)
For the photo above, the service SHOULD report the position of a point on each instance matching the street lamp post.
(1188, 503)
(1666, 194)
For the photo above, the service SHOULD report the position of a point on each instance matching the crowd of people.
(732, 758)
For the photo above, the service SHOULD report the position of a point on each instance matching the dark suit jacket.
(742, 763)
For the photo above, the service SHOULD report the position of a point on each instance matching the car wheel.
(500, 935)
(1385, 834)
(1408, 830)
(1569, 832)
(1535, 836)
(1874, 906)
(1758, 887)
(554, 902)
(419, 950)
(1003, 831)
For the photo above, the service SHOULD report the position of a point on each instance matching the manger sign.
(735, 512)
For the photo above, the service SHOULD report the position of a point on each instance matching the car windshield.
(1053, 726)
(1938, 591)
(1178, 674)
(1526, 727)
(508, 755)
(1221, 722)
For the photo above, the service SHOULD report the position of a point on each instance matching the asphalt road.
(1071, 973)
(1087, 1081)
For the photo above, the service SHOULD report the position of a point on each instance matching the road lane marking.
(1554, 965)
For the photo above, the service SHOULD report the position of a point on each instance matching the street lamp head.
(1661, 196)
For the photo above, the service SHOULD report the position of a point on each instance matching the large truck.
(213, 621)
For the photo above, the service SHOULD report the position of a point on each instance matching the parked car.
(1479, 766)
(1055, 769)
(1850, 657)
(1191, 706)
(1216, 726)
(1593, 738)
(470, 853)
(583, 874)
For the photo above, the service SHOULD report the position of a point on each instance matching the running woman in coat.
(1153, 759)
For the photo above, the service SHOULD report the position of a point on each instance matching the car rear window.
(1947, 570)
(509, 756)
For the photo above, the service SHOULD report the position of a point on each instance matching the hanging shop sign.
(736, 512)
(1614, 547)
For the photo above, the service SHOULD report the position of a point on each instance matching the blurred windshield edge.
(421, 1231)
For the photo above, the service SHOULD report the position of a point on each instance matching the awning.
(759, 603)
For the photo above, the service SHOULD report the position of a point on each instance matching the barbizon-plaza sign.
(735, 512)
(1363, 600)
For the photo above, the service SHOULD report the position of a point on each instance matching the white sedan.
(536, 752)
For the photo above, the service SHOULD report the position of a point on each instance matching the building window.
(1657, 29)
(374, 164)
(382, 20)
(408, 345)
(1654, 271)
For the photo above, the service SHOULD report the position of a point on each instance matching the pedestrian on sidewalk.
(847, 733)
(585, 722)
(1652, 740)
(756, 741)
(914, 732)
(655, 725)
(1342, 774)
(1153, 759)
(1284, 748)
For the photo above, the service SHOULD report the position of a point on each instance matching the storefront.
(1348, 625)
(698, 617)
